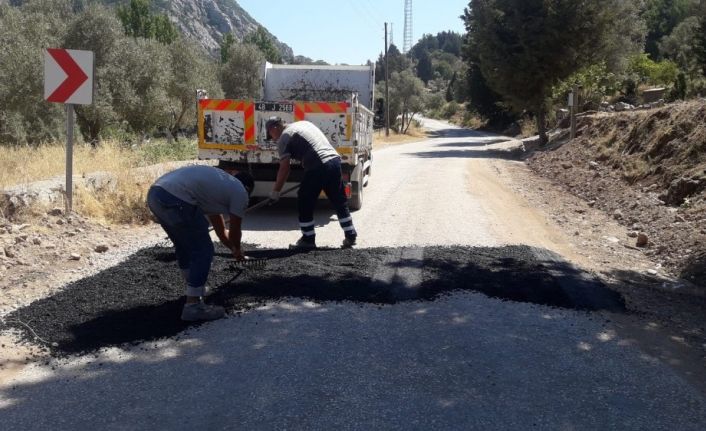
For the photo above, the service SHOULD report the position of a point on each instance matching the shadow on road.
(506, 154)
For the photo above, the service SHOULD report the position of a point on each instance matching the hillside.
(205, 21)
(648, 170)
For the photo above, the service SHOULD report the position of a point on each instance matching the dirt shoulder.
(647, 171)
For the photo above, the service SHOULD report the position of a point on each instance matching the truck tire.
(356, 201)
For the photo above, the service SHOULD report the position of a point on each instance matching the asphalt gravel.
(141, 298)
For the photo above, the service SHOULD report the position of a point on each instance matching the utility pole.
(387, 90)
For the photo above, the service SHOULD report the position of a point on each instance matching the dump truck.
(337, 99)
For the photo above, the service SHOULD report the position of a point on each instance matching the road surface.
(462, 360)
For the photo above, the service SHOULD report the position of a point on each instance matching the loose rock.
(55, 212)
(101, 248)
(74, 256)
(10, 252)
(642, 240)
(618, 215)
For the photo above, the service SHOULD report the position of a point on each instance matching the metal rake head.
(251, 264)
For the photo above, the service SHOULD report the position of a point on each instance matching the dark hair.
(272, 122)
(227, 165)
(247, 180)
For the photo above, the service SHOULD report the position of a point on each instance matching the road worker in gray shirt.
(183, 202)
(303, 141)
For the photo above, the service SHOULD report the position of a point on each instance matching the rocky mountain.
(205, 21)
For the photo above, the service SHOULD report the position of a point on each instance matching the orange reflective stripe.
(249, 123)
(299, 111)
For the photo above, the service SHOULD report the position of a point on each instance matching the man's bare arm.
(282, 174)
(219, 227)
(235, 234)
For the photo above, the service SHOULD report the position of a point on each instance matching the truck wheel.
(356, 201)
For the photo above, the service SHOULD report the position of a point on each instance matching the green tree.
(97, 29)
(226, 43)
(425, 69)
(240, 76)
(662, 16)
(396, 61)
(192, 69)
(139, 21)
(526, 47)
(139, 84)
(25, 32)
(681, 46)
(263, 41)
(700, 42)
(407, 97)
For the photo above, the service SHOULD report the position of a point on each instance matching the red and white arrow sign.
(68, 76)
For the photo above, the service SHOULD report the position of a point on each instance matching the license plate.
(274, 107)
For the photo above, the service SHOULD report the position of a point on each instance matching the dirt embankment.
(648, 170)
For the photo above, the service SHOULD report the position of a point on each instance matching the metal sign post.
(68, 79)
(69, 157)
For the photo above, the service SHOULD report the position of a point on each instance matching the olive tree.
(240, 75)
(25, 32)
(192, 69)
(97, 29)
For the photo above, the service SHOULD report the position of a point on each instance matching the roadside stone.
(55, 212)
(60, 222)
(10, 252)
(49, 246)
(633, 234)
(37, 240)
(612, 239)
(593, 166)
(642, 240)
(101, 248)
(591, 204)
(567, 165)
(679, 219)
(21, 238)
(74, 256)
(652, 271)
(618, 215)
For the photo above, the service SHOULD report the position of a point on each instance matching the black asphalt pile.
(141, 298)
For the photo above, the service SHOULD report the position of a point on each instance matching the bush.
(450, 109)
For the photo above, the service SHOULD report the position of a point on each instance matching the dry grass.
(414, 134)
(21, 165)
(122, 200)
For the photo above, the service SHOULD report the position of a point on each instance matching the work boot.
(304, 243)
(201, 311)
(349, 241)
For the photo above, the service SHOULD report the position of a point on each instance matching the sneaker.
(303, 243)
(201, 311)
(349, 241)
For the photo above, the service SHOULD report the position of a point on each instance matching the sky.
(351, 31)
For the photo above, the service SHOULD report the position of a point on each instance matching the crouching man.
(303, 141)
(183, 201)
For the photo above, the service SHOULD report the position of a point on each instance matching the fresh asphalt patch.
(141, 299)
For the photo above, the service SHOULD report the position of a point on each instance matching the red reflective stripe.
(223, 105)
(250, 123)
(204, 103)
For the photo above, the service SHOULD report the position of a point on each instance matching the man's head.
(274, 127)
(244, 177)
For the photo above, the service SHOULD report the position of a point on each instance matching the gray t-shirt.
(304, 141)
(211, 189)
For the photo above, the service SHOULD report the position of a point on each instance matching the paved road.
(464, 361)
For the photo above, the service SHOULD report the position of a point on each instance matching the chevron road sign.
(68, 76)
(68, 79)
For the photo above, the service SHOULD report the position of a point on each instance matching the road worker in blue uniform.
(303, 141)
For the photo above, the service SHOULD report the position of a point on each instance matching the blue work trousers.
(187, 227)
